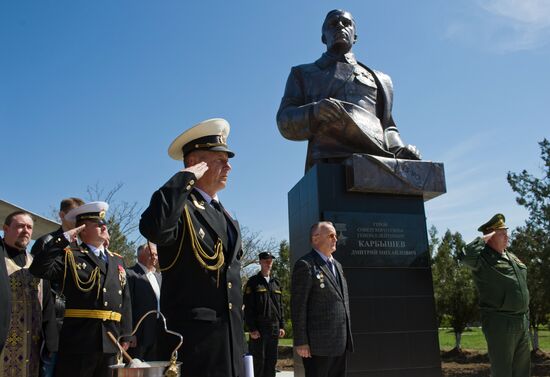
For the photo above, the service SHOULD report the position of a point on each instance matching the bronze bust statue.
(340, 105)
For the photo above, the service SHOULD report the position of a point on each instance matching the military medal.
(121, 275)
(321, 279)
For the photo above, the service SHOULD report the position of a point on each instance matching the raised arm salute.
(199, 251)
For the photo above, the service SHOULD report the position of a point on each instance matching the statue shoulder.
(306, 68)
(384, 78)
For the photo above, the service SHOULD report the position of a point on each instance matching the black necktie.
(332, 269)
(230, 232)
(217, 205)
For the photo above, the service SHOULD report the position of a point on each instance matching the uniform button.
(188, 187)
(104, 289)
(120, 305)
(28, 332)
(230, 306)
(119, 292)
(191, 182)
(105, 303)
(229, 285)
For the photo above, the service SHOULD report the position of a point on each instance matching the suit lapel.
(328, 273)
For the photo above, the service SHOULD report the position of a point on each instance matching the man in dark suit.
(93, 280)
(339, 105)
(199, 248)
(320, 307)
(145, 282)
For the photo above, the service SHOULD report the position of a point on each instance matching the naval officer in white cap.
(97, 297)
(199, 251)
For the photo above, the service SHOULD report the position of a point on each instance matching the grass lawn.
(473, 339)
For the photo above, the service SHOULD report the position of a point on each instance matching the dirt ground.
(466, 363)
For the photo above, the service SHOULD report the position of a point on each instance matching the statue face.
(339, 31)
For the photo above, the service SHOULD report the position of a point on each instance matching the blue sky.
(94, 92)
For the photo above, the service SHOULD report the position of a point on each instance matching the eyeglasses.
(332, 236)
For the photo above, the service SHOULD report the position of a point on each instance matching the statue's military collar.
(327, 59)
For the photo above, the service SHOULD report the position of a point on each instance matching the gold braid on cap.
(208, 262)
(84, 286)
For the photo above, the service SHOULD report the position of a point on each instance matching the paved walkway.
(285, 374)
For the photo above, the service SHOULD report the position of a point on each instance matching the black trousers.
(264, 351)
(93, 364)
(325, 366)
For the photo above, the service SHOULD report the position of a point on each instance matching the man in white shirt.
(145, 282)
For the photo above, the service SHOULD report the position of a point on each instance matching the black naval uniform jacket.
(320, 307)
(39, 246)
(83, 335)
(263, 306)
(204, 306)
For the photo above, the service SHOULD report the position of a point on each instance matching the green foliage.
(281, 269)
(534, 193)
(531, 242)
(454, 290)
(119, 243)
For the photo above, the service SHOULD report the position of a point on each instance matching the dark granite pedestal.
(383, 248)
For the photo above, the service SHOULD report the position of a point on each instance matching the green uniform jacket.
(501, 279)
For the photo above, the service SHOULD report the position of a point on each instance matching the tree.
(531, 243)
(281, 269)
(433, 244)
(534, 193)
(526, 244)
(454, 290)
(253, 244)
(122, 220)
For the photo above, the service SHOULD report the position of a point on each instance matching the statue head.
(338, 31)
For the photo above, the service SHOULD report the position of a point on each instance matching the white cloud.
(531, 13)
(505, 25)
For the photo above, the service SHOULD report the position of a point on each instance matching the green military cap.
(496, 222)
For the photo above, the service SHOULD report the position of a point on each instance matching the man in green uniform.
(501, 279)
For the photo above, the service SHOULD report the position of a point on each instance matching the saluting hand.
(72, 234)
(197, 169)
(488, 236)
